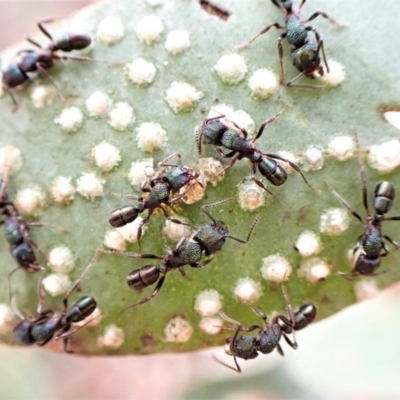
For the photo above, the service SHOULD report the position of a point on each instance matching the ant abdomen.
(73, 41)
(122, 216)
(143, 277)
(81, 309)
(306, 314)
(384, 195)
(272, 171)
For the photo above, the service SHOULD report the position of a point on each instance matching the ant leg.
(344, 202)
(43, 29)
(71, 332)
(266, 122)
(290, 83)
(202, 264)
(349, 277)
(237, 369)
(163, 162)
(87, 59)
(127, 196)
(396, 218)
(390, 240)
(325, 15)
(16, 104)
(265, 30)
(301, 5)
(289, 307)
(15, 309)
(40, 294)
(232, 163)
(279, 350)
(293, 345)
(253, 225)
(174, 220)
(130, 255)
(280, 53)
(261, 185)
(148, 298)
(28, 39)
(217, 203)
(44, 73)
(183, 273)
(33, 243)
(42, 225)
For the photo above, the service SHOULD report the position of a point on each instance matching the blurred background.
(353, 355)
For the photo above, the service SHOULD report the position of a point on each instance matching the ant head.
(22, 333)
(384, 195)
(122, 216)
(143, 277)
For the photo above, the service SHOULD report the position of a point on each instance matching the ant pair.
(268, 337)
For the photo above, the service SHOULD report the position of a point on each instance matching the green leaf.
(312, 119)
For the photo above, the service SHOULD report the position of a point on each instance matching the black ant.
(209, 238)
(305, 54)
(48, 323)
(219, 134)
(269, 336)
(159, 194)
(43, 59)
(17, 235)
(370, 247)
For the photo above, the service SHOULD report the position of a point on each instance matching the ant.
(269, 336)
(218, 134)
(370, 247)
(161, 187)
(48, 323)
(43, 59)
(305, 54)
(209, 238)
(17, 235)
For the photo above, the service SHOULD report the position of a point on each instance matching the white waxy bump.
(194, 192)
(105, 156)
(231, 68)
(113, 239)
(70, 119)
(263, 83)
(89, 185)
(208, 303)
(61, 260)
(393, 117)
(140, 171)
(177, 41)
(153, 3)
(336, 73)
(178, 330)
(93, 319)
(366, 289)
(10, 160)
(212, 169)
(42, 96)
(129, 231)
(149, 29)
(248, 290)
(211, 325)
(182, 97)
(6, 318)
(334, 221)
(250, 196)
(275, 268)
(30, 201)
(62, 189)
(314, 270)
(110, 30)
(121, 116)
(341, 147)
(113, 337)
(150, 136)
(385, 157)
(98, 104)
(308, 244)
(175, 231)
(56, 284)
(313, 159)
(140, 72)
